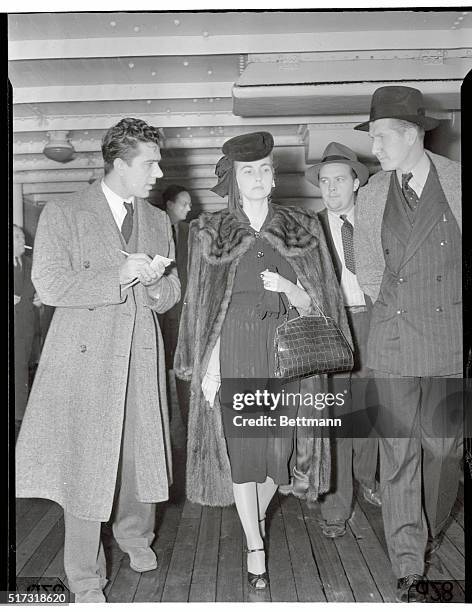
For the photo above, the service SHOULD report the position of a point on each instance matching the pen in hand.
(124, 252)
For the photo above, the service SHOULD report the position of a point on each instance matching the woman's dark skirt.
(247, 352)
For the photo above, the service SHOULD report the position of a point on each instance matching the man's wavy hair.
(122, 140)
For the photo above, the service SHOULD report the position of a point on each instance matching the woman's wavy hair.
(122, 140)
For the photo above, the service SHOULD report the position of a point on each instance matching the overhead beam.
(290, 42)
(116, 92)
(200, 142)
(169, 120)
(289, 158)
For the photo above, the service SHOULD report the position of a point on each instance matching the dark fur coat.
(216, 243)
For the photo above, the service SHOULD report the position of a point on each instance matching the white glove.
(210, 387)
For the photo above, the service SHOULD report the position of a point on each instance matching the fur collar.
(292, 231)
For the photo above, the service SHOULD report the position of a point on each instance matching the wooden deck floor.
(201, 552)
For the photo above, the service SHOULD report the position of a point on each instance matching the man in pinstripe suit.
(408, 259)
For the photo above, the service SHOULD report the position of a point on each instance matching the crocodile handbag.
(309, 345)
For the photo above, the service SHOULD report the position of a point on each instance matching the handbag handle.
(289, 306)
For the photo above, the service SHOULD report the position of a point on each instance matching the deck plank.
(279, 566)
(46, 551)
(362, 583)
(376, 559)
(26, 521)
(151, 584)
(36, 535)
(307, 579)
(203, 586)
(336, 585)
(229, 585)
(179, 576)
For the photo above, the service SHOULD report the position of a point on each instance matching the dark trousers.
(420, 453)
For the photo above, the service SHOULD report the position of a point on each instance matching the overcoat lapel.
(324, 220)
(95, 203)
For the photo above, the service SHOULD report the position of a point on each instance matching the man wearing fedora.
(408, 259)
(339, 175)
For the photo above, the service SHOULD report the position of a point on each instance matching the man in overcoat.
(408, 259)
(339, 175)
(96, 425)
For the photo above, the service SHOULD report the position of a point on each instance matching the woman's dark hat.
(398, 102)
(245, 148)
(336, 153)
(249, 147)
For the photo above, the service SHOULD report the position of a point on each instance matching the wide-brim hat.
(337, 153)
(398, 102)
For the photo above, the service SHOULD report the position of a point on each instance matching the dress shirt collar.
(336, 217)
(114, 200)
(420, 173)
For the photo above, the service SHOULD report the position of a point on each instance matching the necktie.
(410, 195)
(347, 233)
(174, 235)
(127, 226)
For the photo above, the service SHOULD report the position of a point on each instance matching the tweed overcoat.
(217, 241)
(69, 445)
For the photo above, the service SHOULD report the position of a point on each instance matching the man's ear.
(118, 164)
(356, 184)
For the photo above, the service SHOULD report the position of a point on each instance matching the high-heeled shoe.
(257, 581)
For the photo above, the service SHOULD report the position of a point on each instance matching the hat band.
(336, 158)
(394, 112)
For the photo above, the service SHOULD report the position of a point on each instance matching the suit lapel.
(431, 211)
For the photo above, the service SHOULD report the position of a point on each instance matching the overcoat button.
(387, 251)
(83, 348)
(86, 264)
(260, 253)
(439, 278)
(401, 280)
(443, 242)
(439, 309)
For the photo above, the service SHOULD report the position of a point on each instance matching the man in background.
(178, 204)
(338, 176)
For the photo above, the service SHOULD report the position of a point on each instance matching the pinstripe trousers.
(420, 466)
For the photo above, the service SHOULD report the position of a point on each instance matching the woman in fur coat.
(249, 266)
